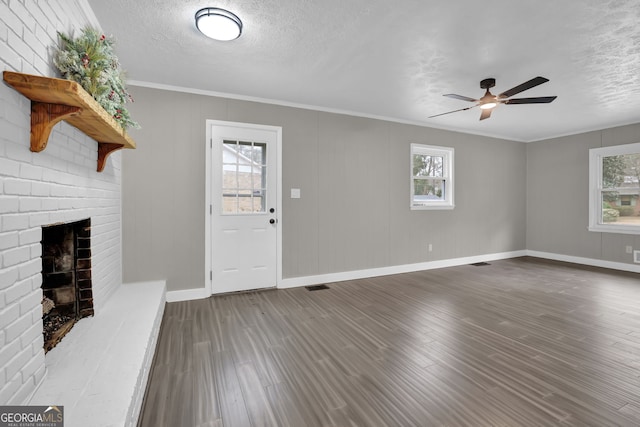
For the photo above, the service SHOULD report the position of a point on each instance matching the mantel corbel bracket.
(54, 99)
(44, 117)
(104, 150)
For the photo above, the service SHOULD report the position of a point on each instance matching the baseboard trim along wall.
(187, 295)
(294, 282)
(396, 269)
(586, 261)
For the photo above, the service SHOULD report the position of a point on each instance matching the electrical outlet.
(636, 257)
(629, 249)
(430, 247)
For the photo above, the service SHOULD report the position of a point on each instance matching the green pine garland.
(90, 60)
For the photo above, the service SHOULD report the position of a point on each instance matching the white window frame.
(595, 189)
(448, 176)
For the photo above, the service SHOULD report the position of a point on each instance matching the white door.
(244, 217)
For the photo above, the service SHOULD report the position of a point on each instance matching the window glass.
(431, 177)
(615, 189)
(243, 177)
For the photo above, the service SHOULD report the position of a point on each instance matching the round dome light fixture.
(218, 24)
(488, 105)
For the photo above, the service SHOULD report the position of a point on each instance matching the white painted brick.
(3, 31)
(8, 240)
(39, 219)
(9, 315)
(34, 364)
(28, 171)
(9, 204)
(30, 204)
(15, 256)
(30, 236)
(15, 292)
(17, 186)
(39, 189)
(41, 67)
(10, 389)
(14, 365)
(40, 373)
(36, 311)
(9, 167)
(13, 222)
(24, 15)
(11, 19)
(13, 149)
(20, 47)
(61, 185)
(14, 330)
(29, 269)
(36, 13)
(36, 282)
(30, 301)
(9, 351)
(57, 190)
(36, 45)
(8, 276)
(50, 204)
(35, 250)
(23, 393)
(51, 21)
(42, 34)
(32, 334)
(3, 378)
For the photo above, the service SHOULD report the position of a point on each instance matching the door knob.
(272, 221)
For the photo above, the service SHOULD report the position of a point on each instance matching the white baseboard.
(396, 269)
(294, 282)
(586, 261)
(187, 295)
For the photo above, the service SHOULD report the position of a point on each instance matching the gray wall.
(558, 197)
(354, 175)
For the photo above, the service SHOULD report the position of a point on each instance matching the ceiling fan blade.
(538, 100)
(449, 112)
(460, 97)
(486, 113)
(524, 86)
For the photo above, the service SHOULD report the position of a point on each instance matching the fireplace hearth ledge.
(99, 371)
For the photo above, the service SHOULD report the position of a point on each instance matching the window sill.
(432, 208)
(619, 229)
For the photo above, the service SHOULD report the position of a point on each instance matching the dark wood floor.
(521, 342)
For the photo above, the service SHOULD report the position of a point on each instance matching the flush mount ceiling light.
(218, 24)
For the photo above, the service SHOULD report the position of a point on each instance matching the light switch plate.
(295, 193)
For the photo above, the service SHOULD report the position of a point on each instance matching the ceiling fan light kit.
(218, 24)
(489, 101)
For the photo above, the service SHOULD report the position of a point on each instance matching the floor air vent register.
(317, 287)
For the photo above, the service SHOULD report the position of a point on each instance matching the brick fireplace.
(57, 185)
(66, 278)
(104, 359)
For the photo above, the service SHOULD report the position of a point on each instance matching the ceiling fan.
(489, 101)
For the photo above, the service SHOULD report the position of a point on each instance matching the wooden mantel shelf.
(53, 100)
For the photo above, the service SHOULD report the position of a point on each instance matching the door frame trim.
(208, 281)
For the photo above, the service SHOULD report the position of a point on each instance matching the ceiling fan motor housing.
(487, 83)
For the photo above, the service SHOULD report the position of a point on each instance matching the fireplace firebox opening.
(66, 278)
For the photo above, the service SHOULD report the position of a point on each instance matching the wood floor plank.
(519, 342)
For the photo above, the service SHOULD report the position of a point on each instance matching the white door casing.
(243, 200)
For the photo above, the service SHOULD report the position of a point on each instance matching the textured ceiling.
(395, 59)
